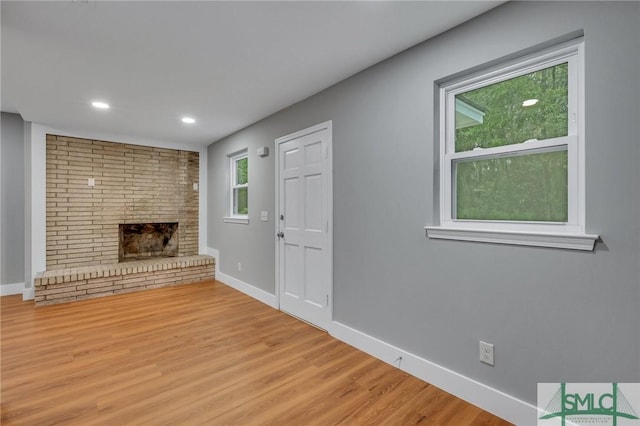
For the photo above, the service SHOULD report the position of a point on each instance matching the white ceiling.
(227, 64)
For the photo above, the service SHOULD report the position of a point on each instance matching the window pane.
(531, 106)
(241, 171)
(530, 187)
(241, 200)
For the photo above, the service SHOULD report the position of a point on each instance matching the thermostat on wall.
(263, 151)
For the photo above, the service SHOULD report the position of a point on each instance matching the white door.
(304, 216)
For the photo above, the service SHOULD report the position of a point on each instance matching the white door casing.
(304, 275)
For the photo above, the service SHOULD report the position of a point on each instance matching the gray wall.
(13, 219)
(251, 244)
(554, 315)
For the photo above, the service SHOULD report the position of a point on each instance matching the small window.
(239, 187)
(512, 151)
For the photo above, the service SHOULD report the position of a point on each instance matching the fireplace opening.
(139, 241)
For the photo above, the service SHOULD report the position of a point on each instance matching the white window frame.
(233, 185)
(570, 234)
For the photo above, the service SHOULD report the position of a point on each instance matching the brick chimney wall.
(133, 184)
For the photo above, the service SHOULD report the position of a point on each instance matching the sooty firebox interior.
(140, 241)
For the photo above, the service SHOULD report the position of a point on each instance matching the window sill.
(536, 239)
(236, 219)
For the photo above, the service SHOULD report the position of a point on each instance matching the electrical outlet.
(486, 353)
(239, 267)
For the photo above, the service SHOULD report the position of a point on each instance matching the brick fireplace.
(109, 202)
(94, 186)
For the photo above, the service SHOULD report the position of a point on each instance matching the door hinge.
(327, 299)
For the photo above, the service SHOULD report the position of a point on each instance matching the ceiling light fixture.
(100, 105)
(529, 102)
(188, 120)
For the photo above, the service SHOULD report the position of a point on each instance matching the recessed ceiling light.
(100, 105)
(529, 102)
(188, 120)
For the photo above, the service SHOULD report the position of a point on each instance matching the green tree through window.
(242, 196)
(524, 186)
(241, 171)
(507, 121)
(240, 184)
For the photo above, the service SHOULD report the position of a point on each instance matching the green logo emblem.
(581, 405)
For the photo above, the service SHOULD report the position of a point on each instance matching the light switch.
(91, 182)
(264, 216)
(195, 186)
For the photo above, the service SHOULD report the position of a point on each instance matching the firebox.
(140, 241)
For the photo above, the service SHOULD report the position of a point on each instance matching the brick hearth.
(88, 282)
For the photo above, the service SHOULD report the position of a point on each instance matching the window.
(512, 153)
(239, 188)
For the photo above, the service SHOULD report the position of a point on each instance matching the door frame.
(327, 125)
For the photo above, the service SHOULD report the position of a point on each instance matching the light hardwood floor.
(199, 354)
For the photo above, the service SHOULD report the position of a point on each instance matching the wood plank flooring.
(199, 354)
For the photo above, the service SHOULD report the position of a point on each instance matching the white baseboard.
(28, 294)
(476, 393)
(248, 289)
(209, 251)
(216, 254)
(10, 289)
